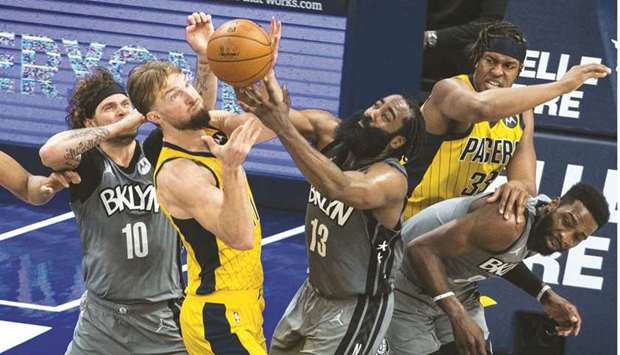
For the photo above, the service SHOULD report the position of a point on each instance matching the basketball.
(240, 53)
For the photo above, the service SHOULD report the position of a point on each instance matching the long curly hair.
(497, 29)
(82, 104)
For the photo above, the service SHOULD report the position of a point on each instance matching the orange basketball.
(240, 53)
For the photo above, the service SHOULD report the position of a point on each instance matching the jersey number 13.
(318, 239)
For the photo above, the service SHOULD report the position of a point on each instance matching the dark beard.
(364, 142)
(199, 120)
(537, 240)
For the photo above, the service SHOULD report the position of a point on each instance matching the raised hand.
(266, 105)
(198, 31)
(233, 153)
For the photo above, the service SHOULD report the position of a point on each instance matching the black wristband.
(524, 279)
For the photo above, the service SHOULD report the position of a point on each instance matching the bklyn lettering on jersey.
(336, 210)
(497, 267)
(131, 197)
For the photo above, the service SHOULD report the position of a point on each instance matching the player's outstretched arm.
(63, 150)
(32, 189)
(41, 189)
(227, 122)
(188, 190)
(197, 33)
(379, 186)
(317, 126)
(452, 98)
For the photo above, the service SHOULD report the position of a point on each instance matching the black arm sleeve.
(465, 34)
(152, 145)
(90, 170)
(524, 279)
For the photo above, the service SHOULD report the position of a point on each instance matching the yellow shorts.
(224, 322)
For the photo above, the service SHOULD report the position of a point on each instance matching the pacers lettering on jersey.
(487, 150)
(335, 210)
(497, 267)
(129, 197)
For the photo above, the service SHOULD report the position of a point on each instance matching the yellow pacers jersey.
(211, 264)
(461, 165)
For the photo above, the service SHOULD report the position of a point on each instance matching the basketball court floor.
(41, 280)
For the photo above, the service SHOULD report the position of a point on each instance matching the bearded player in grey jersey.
(130, 259)
(457, 242)
(352, 220)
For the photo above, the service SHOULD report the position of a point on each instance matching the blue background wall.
(46, 45)
(575, 140)
(561, 34)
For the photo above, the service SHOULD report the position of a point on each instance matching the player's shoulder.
(178, 169)
(389, 171)
(181, 178)
(497, 232)
(388, 166)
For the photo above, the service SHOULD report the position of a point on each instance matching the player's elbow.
(244, 242)
(242, 237)
(49, 155)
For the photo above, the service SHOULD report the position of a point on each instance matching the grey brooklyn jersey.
(349, 252)
(464, 270)
(129, 248)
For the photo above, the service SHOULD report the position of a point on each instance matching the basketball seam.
(251, 76)
(239, 60)
(238, 36)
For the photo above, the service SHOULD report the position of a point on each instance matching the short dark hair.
(592, 198)
(86, 96)
(412, 129)
(498, 29)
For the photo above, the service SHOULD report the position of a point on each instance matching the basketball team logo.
(144, 167)
(229, 51)
(510, 122)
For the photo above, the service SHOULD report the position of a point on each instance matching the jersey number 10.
(137, 241)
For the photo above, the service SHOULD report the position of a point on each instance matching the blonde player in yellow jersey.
(478, 125)
(203, 190)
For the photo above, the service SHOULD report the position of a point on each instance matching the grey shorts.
(109, 328)
(313, 324)
(420, 327)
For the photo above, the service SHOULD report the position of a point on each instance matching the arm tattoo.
(203, 70)
(84, 140)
